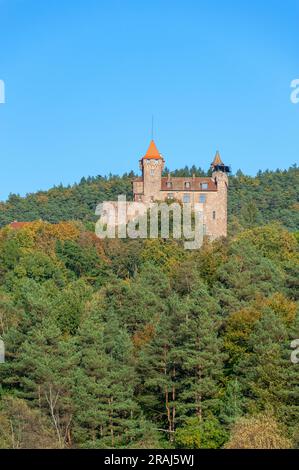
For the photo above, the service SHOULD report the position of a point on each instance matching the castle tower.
(219, 215)
(152, 165)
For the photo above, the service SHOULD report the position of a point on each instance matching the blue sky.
(84, 77)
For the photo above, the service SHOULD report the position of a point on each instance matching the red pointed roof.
(152, 151)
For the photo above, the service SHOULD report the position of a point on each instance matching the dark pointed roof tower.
(218, 165)
(217, 160)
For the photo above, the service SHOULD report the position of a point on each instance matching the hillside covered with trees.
(141, 343)
(269, 196)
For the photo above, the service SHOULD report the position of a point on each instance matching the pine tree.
(201, 355)
(269, 379)
(43, 373)
(105, 381)
(231, 406)
(158, 367)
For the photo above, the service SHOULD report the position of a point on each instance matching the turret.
(152, 165)
(218, 165)
(220, 173)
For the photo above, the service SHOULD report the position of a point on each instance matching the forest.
(269, 196)
(141, 343)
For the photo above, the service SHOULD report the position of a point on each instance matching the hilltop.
(252, 200)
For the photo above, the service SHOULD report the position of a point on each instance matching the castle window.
(202, 198)
(204, 185)
(214, 215)
(187, 184)
(152, 172)
(170, 196)
(186, 198)
(169, 184)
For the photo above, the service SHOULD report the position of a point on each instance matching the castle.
(211, 191)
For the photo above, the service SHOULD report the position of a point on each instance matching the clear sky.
(83, 78)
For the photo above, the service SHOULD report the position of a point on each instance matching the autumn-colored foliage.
(259, 432)
(124, 343)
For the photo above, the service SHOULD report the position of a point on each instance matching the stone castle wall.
(148, 189)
